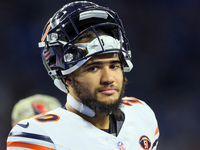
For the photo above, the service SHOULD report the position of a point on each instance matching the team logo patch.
(120, 146)
(145, 142)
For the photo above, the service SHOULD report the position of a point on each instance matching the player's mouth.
(108, 91)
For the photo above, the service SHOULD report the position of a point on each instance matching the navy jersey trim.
(31, 136)
(155, 143)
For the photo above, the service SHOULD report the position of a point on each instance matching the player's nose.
(107, 76)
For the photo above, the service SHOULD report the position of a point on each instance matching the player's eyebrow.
(101, 63)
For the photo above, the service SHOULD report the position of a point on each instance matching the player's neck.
(100, 121)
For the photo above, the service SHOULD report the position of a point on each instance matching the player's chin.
(109, 99)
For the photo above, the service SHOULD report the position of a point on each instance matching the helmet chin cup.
(60, 85)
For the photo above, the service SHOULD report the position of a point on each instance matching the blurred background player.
(33, 105)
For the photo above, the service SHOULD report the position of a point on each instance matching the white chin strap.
(79, 106)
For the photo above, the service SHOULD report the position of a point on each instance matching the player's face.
(99, 83)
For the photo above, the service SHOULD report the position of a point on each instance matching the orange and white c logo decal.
(145, 142)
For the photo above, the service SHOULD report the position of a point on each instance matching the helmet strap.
(79, 106)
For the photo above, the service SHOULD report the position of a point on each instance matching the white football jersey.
(61, 129)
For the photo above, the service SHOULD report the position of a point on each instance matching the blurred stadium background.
(165, 42)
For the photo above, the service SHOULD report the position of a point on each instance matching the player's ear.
(67, 80)
(125, 80)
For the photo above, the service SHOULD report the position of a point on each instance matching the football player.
(86, 52)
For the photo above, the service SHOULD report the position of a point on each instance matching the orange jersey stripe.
(28, 145)
(129, 101)
(157, 130)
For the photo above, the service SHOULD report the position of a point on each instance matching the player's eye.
(92, 69)
(115, 66)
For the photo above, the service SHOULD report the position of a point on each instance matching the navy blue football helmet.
(62, 55)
